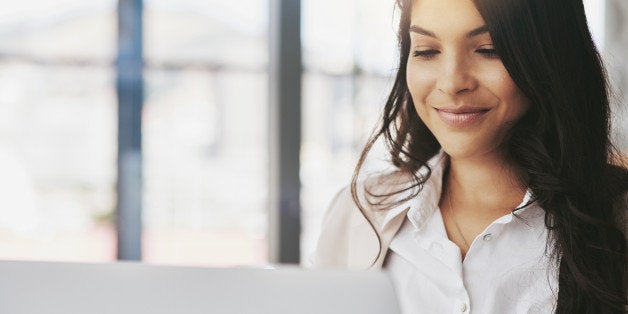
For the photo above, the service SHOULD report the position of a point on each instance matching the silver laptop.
(134, 288)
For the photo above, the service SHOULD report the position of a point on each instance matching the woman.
(506, 195)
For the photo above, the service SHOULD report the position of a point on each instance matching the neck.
(486, 183)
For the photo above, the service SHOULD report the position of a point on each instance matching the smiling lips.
(462, 116)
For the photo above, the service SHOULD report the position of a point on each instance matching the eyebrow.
(475, 32)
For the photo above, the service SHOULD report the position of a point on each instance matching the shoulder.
(373, 194)
(348, 238)
(334, 242)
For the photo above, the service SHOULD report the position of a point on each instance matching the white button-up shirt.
(506, 269)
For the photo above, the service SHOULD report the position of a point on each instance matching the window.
(204, 132)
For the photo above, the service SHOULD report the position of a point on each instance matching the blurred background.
(203, 176)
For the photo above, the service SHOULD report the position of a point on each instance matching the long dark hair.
(562, 144)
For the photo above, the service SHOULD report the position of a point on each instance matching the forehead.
(445, 15)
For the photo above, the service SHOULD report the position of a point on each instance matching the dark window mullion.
(285, 130)
(130, 91)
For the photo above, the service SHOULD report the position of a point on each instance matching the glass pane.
(205, 133)
(349, 60)
(57, 130)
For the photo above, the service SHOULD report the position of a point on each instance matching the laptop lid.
(133, 288)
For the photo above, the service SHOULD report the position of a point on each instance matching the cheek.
(514, 102)
(420, 84)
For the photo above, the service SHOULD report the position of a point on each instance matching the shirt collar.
(436, 164)
(427, 201)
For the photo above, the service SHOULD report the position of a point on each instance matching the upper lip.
(463, 109)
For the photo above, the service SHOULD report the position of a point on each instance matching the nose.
(455, 76)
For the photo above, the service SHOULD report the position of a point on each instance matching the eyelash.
(429, 54)
(426, 54)
(489, 53)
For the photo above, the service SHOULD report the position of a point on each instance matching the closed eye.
(489, 53)
(426, 54)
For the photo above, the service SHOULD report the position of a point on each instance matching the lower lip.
(461, 119)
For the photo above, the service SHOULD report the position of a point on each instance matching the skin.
(453, 64)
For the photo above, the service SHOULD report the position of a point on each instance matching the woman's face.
(459, 86)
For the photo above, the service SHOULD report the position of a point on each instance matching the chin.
(459, 152)
(466, 149)
(469, 144)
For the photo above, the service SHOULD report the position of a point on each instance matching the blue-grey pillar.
(285, 130)
(130, 90)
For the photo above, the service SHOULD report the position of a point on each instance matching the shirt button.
(463, 307)
(487, 237)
